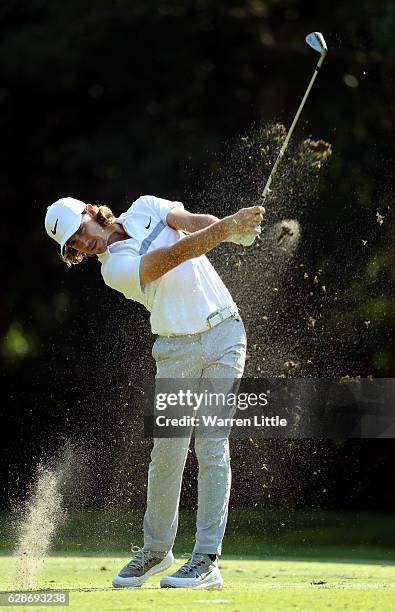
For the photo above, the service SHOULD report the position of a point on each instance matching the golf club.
(317, 42)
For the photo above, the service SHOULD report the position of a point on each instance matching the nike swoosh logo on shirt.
(147, 226)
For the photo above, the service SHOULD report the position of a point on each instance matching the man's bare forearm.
(180, 219)
(201, 241)
(202, 221)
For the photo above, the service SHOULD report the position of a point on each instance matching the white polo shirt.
(179, 301)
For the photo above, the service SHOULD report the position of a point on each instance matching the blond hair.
(105, 217)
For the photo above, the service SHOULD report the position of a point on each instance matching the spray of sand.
(273, 290)
(42, 515)
(265, 279)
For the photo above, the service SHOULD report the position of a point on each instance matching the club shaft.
(291, 129)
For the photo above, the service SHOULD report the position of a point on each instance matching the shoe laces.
(141, 557)
(194, 561)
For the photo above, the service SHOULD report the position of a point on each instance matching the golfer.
(154, 253)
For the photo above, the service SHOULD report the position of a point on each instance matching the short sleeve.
(162, 206)
(122, 273)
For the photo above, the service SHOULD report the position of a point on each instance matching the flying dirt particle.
(286, 231)
(312, 322)
(287, 234)
(305, 275)
(367, 323)
(297, 415)
(238, 263)
(276, 132)
(315, 280)
(348, 378)
(315, 153)
(290, 365)
(379, 218)
(364, 242)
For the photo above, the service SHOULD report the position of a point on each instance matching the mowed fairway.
(250, 584)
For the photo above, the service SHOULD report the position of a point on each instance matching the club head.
(317, 42)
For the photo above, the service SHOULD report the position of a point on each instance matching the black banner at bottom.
(270, 408)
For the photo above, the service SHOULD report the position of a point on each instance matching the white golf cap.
(63, 219)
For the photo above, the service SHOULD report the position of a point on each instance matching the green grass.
(249, 585)
(273, 560)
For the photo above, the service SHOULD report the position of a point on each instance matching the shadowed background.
(106, 101)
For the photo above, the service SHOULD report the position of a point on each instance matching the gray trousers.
(216, 353)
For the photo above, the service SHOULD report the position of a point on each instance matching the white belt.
(221, 315)
(212, 320)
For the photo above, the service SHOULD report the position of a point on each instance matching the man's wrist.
(228, 227)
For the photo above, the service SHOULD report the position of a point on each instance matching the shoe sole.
(128, 583)
(168, 582)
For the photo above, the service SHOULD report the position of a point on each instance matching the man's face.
(90, 238)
